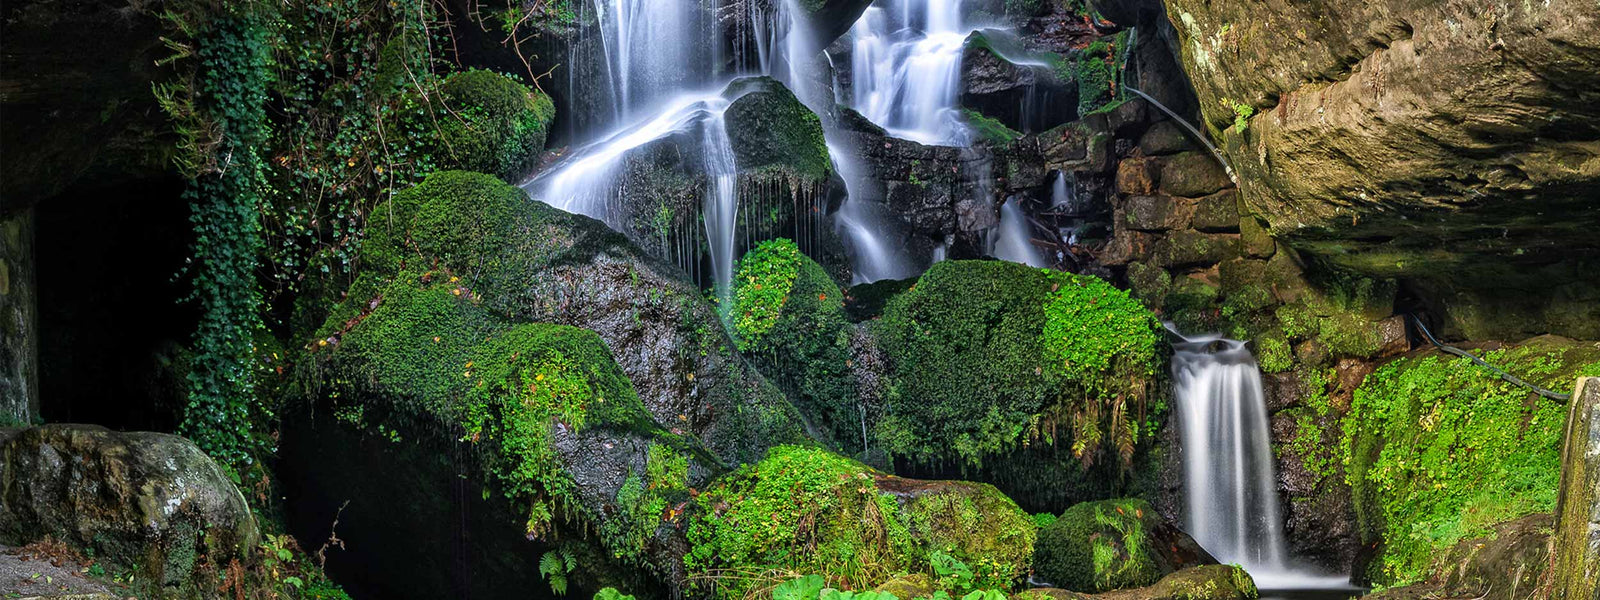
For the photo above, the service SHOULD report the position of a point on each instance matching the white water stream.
(1230, 482)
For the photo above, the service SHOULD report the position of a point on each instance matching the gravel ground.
(23, 579)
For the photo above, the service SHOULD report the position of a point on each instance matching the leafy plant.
(554, 566)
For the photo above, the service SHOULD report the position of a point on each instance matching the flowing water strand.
(1012, 240)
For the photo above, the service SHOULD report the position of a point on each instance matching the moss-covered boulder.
(789, 316)
(1113, 544)
(805, 510)
(771, 129)
(1437, 449)
(1211, 582)
(1511, 562)
(479, 121)
(149, 504)
(989, 356)
(587, 382)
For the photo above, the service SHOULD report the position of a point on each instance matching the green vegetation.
(479, 121)
(989, 130)
(225, 195)
(1437, 450)
(989, 356)
(414, 349)
(1099, 546)
(805, 510)
(1241, 115)
(789, 315)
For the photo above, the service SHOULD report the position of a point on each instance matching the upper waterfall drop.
(906, 69)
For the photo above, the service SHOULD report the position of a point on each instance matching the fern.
(554, 566)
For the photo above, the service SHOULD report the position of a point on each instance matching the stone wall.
(19, 341)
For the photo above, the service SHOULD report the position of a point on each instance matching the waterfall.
(649, 51)
(906, 69)
(1012, 240)
(1230, 481)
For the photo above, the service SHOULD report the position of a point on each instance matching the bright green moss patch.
(990, 355)
(789, 316)
(1437, 450)
(761, 288)
(989, 129)
(805, 510)
(1099, 546)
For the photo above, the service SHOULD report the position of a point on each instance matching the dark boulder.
(148, 503)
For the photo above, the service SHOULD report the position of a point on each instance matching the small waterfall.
(906, 68)
(649, 47)
(1012, 240)
(1231, 488)
(721, 204)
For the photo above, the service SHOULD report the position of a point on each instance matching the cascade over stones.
(799, 299)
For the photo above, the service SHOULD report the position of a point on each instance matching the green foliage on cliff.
(1437, 450)
(989, 129)
(989, 356)
(788, 316)
(805, 510)
(1099, 546)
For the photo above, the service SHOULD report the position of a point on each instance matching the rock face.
(1577, 537)
(1428, 141)
(146, 502)
(19, 330)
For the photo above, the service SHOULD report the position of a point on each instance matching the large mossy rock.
(1425, 141)
(1113, 544)
(1511, 562)
(1438, 449)
(151, 504)
(806, 510)
(988, 356)
(481, 121)
(771, 129)
(587, 382)
(525, 262)
(789, 316)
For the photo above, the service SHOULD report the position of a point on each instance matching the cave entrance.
(112, 329)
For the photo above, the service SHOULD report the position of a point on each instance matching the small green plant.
(611, 594)
(1241, 116)
(554, 567)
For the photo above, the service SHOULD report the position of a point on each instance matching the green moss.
(484, 121)
(417, 351)
(788, 315)
(989, 130)
(1273, 353)
(978, 526)
(989, 355)
(1341, 313)
(805, 510)
(770, 128)
(1099, 546)
(762, 283)
(1437, 450)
